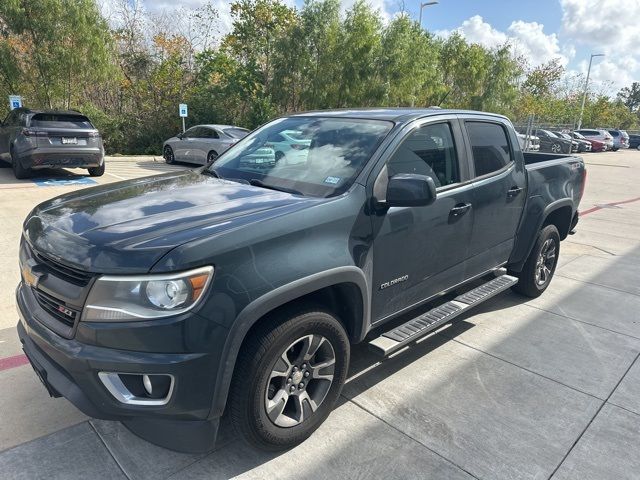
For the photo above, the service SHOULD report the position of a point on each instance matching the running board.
(416, 328)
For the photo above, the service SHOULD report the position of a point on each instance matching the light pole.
(586, 88)
(425, 4)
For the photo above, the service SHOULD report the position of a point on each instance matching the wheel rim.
(168, 154)
(300, 380)
(555, 148)
(211, 157)
(545, 263)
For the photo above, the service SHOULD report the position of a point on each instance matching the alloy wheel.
(546, 262)
(300, 380)
(168, 155)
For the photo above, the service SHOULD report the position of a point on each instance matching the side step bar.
(416, 328)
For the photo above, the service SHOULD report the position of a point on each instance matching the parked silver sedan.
(201, 144)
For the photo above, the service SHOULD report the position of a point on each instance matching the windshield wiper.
(259, 183)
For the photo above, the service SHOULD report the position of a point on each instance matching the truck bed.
(531, 158)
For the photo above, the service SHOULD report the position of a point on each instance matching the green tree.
(630, 96)
(54, 50)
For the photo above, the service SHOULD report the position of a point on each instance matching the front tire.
(288, 378)
(211, 156)
(539, 268)
(168, 155)
(556, 148)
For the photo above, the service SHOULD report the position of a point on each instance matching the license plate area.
(69, 141)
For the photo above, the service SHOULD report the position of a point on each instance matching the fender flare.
(531, 240)
(272, 300)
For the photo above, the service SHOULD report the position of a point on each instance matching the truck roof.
(397, 115)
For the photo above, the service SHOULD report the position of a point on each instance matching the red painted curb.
(12, 362)
(613, 204)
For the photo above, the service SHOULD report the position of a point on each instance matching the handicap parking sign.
(63, 181)
(15, 101)
(183, 109)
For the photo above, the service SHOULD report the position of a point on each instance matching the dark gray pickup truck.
(239, 287)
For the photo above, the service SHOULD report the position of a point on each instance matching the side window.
(208, 133)
(490, 147)
(429, 150)
(191, 133)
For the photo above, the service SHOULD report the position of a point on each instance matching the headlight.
(117, 298)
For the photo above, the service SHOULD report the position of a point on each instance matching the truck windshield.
(322, 160)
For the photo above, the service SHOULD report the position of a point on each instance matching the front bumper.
(70, 369)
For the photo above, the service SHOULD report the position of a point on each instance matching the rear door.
(421, 251)
(499, 192)
(209, 142)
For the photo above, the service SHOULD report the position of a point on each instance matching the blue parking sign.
(15, 101)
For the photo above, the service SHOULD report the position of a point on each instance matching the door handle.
(460, 209)
(514, 192)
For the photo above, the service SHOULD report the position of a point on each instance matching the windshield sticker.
(332, 180)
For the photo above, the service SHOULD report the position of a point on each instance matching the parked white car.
(290, 146)
(533, 145)
(201, 144)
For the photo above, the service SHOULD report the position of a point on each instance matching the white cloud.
(609, 27)
(526, 38)
(476, 30)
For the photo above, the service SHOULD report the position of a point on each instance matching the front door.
(499, 193)
(421, 251)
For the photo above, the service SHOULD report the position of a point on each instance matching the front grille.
(71, 275)
(56, 308)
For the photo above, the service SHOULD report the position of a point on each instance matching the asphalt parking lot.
(544, 388)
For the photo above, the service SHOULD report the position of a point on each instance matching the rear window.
(56, 120)
(490, 147)
(236, 132)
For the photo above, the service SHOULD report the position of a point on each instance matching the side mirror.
(410, 190)
(180, 135)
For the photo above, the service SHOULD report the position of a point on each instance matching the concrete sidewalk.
(544, 388)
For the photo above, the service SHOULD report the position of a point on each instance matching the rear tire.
(538, 270)
(211, 156)
(279, 396)
(19, 171)
(556, 148)
(97, 171)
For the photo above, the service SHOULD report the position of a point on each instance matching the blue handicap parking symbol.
(63, 181)
(15, 104)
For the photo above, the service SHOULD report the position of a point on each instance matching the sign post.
(183, 113)
(15, 101)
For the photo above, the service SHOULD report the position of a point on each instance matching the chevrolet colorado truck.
(239, 287)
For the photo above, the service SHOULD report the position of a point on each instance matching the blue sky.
(539, 30)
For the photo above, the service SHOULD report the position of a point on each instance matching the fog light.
(139, 388)
(146, 381)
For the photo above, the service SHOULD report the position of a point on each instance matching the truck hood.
(128, 226)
